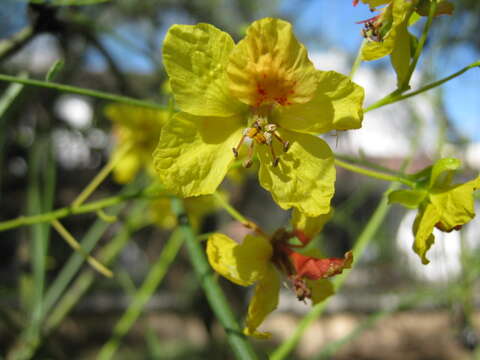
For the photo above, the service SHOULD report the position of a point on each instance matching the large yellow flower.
(440, 203)
(263, 90)
(261, 260)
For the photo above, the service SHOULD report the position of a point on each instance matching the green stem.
(418, 51)
(143, 295)
(102, 174)
(365, 237)
(358, 60)
(82, 91)
(390, 99)
(69, 210)
(374, 174)
(216, 298)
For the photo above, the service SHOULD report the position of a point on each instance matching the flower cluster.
(262, 260)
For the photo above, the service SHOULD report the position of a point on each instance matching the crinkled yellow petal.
(126, 168)
(264, 301)
(423, 226)
(243, 263)
(193, 154)
(305, 175)
(270, 66)
(195, 58)
(321, 290)
(337, 105)
(408, 198)
(455, 205)
(310, 226)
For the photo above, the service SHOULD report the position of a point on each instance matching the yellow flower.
(440, 204)
(263, 90)
(139, 129)
(260, 260)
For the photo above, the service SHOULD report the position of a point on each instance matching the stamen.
(274, 158)
(285, 143)
(237, 148)
(247, 163)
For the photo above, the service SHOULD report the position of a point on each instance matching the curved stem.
(374, 174)
(97, 265)
(82, 91)
(236, 214)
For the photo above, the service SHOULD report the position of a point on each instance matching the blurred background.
(53, 143)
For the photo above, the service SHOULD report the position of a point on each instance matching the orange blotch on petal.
(314, 269)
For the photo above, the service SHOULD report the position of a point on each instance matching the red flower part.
(355, 2)
(371, 20)
(314, 269)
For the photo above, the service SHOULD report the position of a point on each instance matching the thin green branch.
(86, 208)
(82, 91)
(215, 296)
(374, 174)
(358, 60)
(390, 99)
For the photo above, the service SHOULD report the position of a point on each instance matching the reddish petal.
(313, 268)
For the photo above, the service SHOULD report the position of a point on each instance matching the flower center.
(260, 132)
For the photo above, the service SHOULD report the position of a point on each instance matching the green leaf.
(409, 198)
(401, 54)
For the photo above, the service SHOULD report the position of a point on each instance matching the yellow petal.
(321, 289)
(337, 105)
(423, 226)
(243, 263)
(195, 58)
(305, 175)
(126, 168)
(270, 66)
(264, 301)
(193, 154)
(455, 205)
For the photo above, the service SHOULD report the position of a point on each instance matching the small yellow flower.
(387, 33)
(139, 129)
(440, 203)
(196, 208)
(261, 260)
(263, 90)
